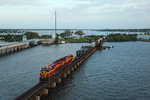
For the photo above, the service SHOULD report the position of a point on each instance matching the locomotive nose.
(43, 74)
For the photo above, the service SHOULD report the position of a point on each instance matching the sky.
(74, 14)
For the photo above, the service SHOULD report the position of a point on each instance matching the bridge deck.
(41, 85)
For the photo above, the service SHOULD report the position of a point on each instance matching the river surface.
(86, 31)
(122, 72)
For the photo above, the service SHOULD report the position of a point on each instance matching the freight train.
(49, 70)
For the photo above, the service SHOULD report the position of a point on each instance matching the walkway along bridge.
(41, 88)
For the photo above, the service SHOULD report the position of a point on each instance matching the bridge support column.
(72, 69)
(68, 72)
(36, 97)
(75, 66)
(18, 48)
(58, 80)
(78, 64)
(7, 51)
(81, 61)
(12, 50)
(52, 85)
(44, 91)
(64, 75)
(3, 52)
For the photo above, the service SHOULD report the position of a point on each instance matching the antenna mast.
(55, 24)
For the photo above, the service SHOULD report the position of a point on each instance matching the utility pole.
(55, 24)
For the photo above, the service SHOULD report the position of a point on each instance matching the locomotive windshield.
(44, 69)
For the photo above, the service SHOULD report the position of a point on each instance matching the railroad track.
(32, 91)
(39, 86)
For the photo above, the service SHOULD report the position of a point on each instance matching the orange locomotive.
(47, 71)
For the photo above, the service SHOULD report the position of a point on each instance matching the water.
(20, 71)
(86, 31)
(119, 73)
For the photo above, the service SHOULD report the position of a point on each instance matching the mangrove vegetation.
(18, 37)
(121, 37)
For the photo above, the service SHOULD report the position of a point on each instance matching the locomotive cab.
(43, 73)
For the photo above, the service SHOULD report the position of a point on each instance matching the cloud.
(73, 11)
(99, 7)
(19, 2)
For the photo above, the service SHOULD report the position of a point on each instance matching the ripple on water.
(119, 73)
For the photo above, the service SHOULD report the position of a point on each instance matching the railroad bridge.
(42, 88)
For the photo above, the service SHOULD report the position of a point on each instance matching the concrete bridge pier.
(68, 72)
(19, 48)
(58, 80)
(7, 50)
(12, 49)
(15, 49)
(36, 97)
(82, 60)
(44, 92)
(2, 52)
(64, 75)
(72, 69)
(52, 85)
(75, 66)
(78, 64)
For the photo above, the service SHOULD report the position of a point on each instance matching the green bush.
(121, 37)
(89, 38)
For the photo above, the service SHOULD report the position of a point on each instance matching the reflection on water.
(119, 73)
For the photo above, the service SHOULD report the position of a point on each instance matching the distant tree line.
(11, 38)
(30, 35)
(87, 39)
(68, 34)
(125, 30)
(95, 37)
(121, 37)
(11, 31)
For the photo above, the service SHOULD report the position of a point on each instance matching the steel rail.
(39, 86)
